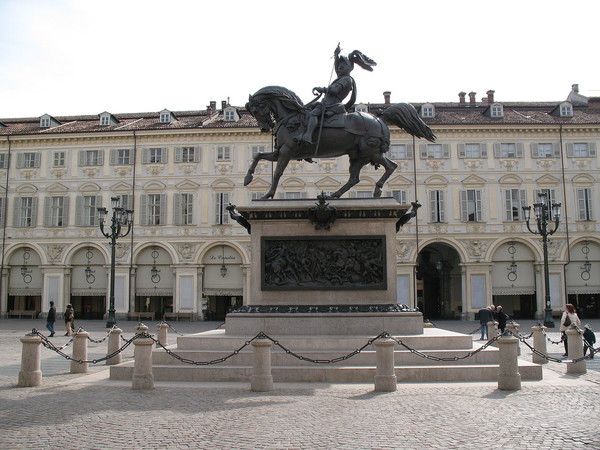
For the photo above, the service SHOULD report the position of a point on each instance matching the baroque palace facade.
(468, 247)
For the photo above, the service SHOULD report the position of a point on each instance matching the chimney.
(461, 97)
(386, 97)
(223, 104)
(594, 104)
(575, 88)
(490, 96)
(472, 98)
(213, 106)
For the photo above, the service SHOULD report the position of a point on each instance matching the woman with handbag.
(568, 319)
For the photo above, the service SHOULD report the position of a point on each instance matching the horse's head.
(261, 111)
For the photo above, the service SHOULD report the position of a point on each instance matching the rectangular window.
(44, 122)
(496, 111)
(104, 120)
(165, 117)
(257, 195)
(581, 150)
(28, 160)
(435, 151)
(56, 211)
(221, 214)
(90, 212)
(471, 205)
(188, 154)
(223, 153)
(155, 155)
(584, 204)
(2, 212)
(401, 151)
(514, 200)
(543, 150)
(183, 209)
(436, 206)
(3, 160)
(427, 111)
(229, 116)
(508, 150)
(26, 212)
(154, 209)
(256, 149)
(401, 197)
(91, 157)
(295, 195)
(550, 196)
(566, 111)
(121, 156)
(58, 159)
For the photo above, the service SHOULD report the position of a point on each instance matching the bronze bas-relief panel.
(323, 263)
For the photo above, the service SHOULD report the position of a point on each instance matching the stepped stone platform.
(410, 367)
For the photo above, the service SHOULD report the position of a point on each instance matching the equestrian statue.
(329, 128)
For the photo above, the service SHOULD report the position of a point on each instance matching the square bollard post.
(142, 378)
(114, 343)
(492, 329)
(385, 371)
(31, 362)
(80, 352)
(509, 378)
(539, 344)
(162, 335)
(261, 379)
(575, 346)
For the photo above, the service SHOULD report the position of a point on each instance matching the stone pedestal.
(509, 377)
(323, 268)
(114, 343)
(80, 352)
(261, 379)
(31, 356)
(385, 376)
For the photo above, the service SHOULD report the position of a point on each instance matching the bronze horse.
(362, 136)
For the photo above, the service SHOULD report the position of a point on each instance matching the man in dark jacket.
(589, 339)
(485, 316)
(51, 319)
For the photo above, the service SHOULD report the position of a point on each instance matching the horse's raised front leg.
(355, 166)
(269, 156)
(283, 159)
(389, 167)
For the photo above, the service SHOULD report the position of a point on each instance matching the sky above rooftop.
(71, 57)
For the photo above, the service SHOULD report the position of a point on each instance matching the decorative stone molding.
(476, 247)
(123, 170)
(91, 172)
(54, 252)
(222, 230)
(188, 169)
(509, 164)
(224, 168)
(294, 166)
(472, 163)
(186, 251)
(582, 163)
(122, 250)
(56, 233)
(546, 164)
(24, 233)
(261, 167)
(554, 246)
(586, 226)
(327, 165)
(28, 174)
(58, 172)
(89, 232)
(435, 164)
(475, 228)
(403, 249)
(513, 227)
(438, 228)
(155, 169)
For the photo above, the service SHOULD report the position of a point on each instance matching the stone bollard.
(492, 329)
(80, 352)
(31, 360)
(509, 378)
(261, 379)
(141, 328)
(162, 335)
(142, 378)
(539, 343)
(114, 343)
(575, 346)
(513, 327)
(385, 371)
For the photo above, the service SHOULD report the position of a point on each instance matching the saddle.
(358, 123)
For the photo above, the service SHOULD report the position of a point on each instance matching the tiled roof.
(451, 114)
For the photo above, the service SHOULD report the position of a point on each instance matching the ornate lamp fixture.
(154, 277)
(25, 272)
(512, 269)
(223, 266)
(587, 265)
(89, 273)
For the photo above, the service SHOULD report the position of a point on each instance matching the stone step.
(364, 358)
(328, 373)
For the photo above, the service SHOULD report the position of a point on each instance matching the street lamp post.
(542, 218)
(120, 218)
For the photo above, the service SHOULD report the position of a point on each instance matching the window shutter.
(478, 212)
(432, 206)
(442, 206)
(178, 154)
(82, 158)
(569, 149)
(423, 150)
(177, 214)
(463, 206)
(48, 211)
(100, 157)
(145, 156)
(497, 151)
(113, 157)
(196, 154)
(144, 209)
(225, 212)
(507, 204)
(2, 200)
(79, 211)
(592, 148)
(522, 202)
(163, 209)
(519, 149)
(163, 155)
(461, 150)
(34, 212)
(410, 153)
(65, 211)
(446, 150)
(17, 212)
(20, 159)
(483, 149)
(534, 150)
(36, 160)
(556, 150)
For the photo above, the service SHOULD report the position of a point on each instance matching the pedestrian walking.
(568, 319)
(69, 318)
(501, 318)
(589, 339)
(51, 319)
(485, 315)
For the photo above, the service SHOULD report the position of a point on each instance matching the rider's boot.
(310, 130)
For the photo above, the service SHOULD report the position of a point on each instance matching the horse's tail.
(405, 116)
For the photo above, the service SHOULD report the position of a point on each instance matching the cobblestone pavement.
(92, 412)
